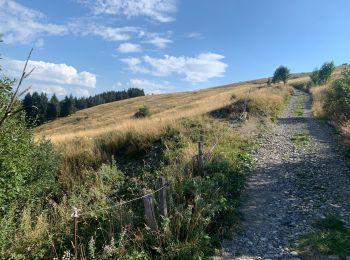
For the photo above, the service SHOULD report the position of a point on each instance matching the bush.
(321, 76)
(28, 170)
(337, 99)
(143, 112)
(28, 181)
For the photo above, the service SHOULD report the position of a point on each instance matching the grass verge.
(333, 238)
(299, 107)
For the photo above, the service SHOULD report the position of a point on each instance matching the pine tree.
(67, 106)
(28, 108)
(42, 108)
(53, 108)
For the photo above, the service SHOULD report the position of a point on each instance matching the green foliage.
(28, 180)
(27, 169)
(315, 78)
(337, 99)
(333, 238)
(53, 108)
(67, 106)
(321, 76)
(282, 73)
(143, 112)
(326, 72)
(198, 218)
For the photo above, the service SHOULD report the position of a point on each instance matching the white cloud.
(135, 65)
(82, 92)
(194, 35)
(84, 28)
(149, 86)
(194, 69)
(158, 40)
(159, 10)
(49, 89)
(50, 77)
(129, 47)
(108, 33)
(19, 24)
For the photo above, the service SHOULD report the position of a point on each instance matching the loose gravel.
(292, 186)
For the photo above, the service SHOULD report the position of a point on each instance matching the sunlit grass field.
(165, 108)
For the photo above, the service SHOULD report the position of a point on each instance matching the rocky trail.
(301, 176)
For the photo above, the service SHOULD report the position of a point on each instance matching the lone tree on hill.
(282, 73)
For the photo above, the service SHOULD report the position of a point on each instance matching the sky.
(85, 47)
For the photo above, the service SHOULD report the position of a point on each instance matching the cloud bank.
(194, 69)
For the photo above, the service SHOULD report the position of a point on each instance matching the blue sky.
(83, 47)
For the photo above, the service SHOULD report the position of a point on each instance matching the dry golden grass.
(165, 108)
(118, 116)
(89, 137)
(317, 104)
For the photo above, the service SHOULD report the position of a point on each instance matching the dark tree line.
(40, 109)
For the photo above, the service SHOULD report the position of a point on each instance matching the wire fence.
(197, 161)
(124, 202)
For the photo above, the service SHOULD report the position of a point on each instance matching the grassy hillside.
(118, 116)
(107, 157)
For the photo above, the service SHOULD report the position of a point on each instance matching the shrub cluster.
(321, 76)
(28, 181)
(143, 112)
(337, 98)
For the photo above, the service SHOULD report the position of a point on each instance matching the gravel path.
(294, 184)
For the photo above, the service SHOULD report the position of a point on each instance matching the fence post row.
(149, 211)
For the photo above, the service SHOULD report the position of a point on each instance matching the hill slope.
(118, 116)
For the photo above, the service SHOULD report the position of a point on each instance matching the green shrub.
(322, 75)
(143, 112)
(28, 181)
(282, 73)
(28, 170)
(337, 99)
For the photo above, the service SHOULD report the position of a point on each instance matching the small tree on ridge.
(282, 73)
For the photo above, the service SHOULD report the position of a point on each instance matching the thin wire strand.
(128, 201)
(218, 140)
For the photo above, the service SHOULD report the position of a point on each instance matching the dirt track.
(301, 176)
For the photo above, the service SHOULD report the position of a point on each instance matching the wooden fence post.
(75, 216)
(149, 211)
(162, 198)
(200, 155)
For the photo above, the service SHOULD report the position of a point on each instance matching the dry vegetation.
(318, 94)
(317, 105)
(89, 138)
(118, 116)
(165, 108)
